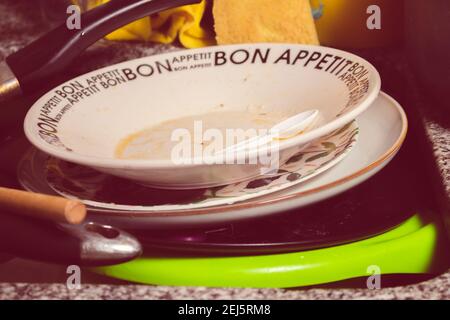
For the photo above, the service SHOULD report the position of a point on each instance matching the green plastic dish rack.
(414, 247)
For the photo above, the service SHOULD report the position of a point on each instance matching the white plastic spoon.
(285, 129)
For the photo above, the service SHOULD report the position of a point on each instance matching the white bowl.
(85, 125)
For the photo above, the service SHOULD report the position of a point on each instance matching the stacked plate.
(78, 126)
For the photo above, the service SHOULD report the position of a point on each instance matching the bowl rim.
(116, 163)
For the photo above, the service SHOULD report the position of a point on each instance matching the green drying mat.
(411, 248)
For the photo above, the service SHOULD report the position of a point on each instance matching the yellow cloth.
(165, 27)
(250, 21)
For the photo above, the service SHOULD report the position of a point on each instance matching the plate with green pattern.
(100, 191)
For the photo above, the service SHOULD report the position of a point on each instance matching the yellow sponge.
(247, 21)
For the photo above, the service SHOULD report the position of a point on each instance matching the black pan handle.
(48, 56)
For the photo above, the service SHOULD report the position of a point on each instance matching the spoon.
(286, 129)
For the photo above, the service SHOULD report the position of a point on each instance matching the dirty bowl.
(88, 119)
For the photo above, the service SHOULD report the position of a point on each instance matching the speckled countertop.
(20, 22)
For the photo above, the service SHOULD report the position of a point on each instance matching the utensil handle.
(35, 65)
(42, 206)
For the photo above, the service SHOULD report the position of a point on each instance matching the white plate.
(86, 119)
(383, 129)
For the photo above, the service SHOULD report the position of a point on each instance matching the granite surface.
(437, 288)
(20, 22)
